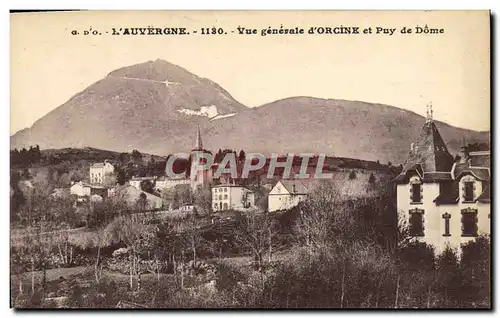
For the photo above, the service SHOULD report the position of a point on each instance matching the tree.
(203, 199)
(142, 203)
(256, 233)
(138, 236)
(475, 269)
(34, 247)
(147, 186)
(371, 179)
(192, 235)
(17, 198)
(323, 217)
(110, 179)
(121, 178)
(448, 277)
(352, 175)
(242, 156)
(136, 156)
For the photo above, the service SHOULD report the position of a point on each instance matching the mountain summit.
(156, 106)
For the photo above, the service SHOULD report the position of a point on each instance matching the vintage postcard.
(250, 159)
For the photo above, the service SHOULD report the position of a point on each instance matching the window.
(225, 206)
(416, 193)
(225, 189)
(417, 222)
(220, 196)
(446, 218)
(215, 206)
(225, 196)
(468, 191)
(215, 190)
(469, 222)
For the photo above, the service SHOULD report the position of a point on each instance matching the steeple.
(198, 144)
(429, 149)
(429, 113)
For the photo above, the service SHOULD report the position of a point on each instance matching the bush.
(352, 175)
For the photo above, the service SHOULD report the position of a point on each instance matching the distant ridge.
(154, 107)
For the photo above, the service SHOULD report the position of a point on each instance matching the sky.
(451, 69)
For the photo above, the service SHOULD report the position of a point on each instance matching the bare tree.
(138, 236)
(255, 233)
(203, 199)
(322, 216)
(192, 235)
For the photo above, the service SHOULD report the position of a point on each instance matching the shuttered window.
(416, 222)
(469, 222)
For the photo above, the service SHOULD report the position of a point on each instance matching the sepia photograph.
(250, 160)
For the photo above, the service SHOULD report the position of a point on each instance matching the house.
(231, 196)
(136, 181)
(100, 172)
(286, 194)
(131, 196)
(445, 202)
(186, 207)
(164, 183)
(80, 189)
(95, 198)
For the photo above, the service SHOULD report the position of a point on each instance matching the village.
(283, 190)
(185, 226)
(432, 187)
(434, 199)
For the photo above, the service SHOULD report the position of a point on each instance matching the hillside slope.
(155, 106)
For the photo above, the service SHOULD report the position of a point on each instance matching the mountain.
(155, 106)
(336, 127)
(147, 106)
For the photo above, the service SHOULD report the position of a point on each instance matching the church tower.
(197, 155)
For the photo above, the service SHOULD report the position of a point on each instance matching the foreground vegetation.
(326, 253)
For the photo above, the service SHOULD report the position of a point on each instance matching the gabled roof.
(296, 186)
(82, 184)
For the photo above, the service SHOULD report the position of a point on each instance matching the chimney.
(412, 146)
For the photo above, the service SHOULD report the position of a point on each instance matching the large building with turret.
(444, 201)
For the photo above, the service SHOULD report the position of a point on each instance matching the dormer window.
(416, 191)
